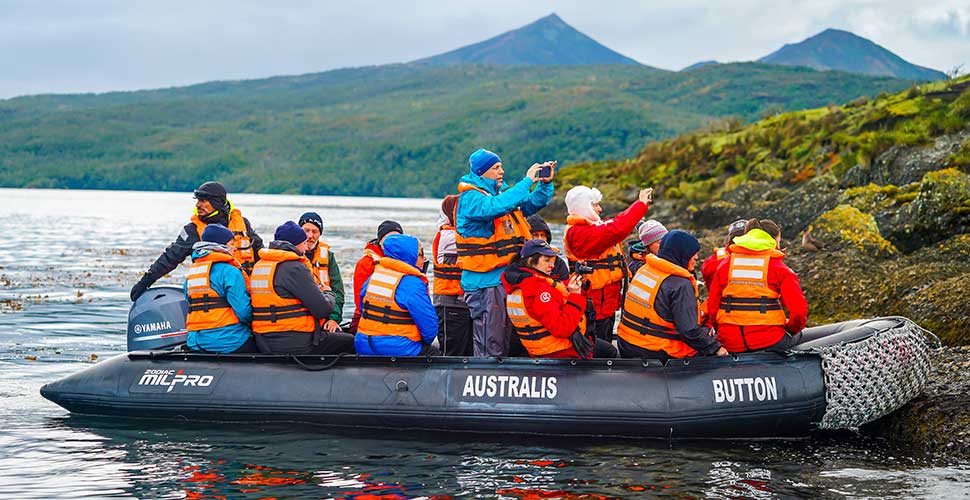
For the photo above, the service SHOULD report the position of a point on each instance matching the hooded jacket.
(477, 211)
(293, 280)
(560, 314)
(227, 281)
(741, 338)
(589, 241)
(411, 294)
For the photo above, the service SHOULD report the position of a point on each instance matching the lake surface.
(67, 261)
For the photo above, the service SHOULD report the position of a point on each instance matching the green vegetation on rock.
(847, 225)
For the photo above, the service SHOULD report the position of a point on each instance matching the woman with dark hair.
(751, 290)
(548, 316)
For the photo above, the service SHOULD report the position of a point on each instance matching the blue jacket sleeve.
(538, 199)
(412, 294)
(231, 285)
(479, 207)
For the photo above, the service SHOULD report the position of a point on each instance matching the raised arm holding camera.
(597, 243)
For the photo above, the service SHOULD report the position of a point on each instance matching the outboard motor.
(157, 319)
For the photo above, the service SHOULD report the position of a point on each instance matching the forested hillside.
(397, 130)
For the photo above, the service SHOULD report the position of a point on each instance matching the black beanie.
(211, 189)
(313, 218)
(388, 226)
(678, 247)
(537, 223)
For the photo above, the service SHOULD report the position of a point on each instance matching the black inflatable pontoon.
(757, 395)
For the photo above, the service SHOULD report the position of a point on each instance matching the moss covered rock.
(936, 213)
(847, 226)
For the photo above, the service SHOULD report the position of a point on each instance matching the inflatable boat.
(840, 377)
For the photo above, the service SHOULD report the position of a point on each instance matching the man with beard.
(324, 265)
(211, 207)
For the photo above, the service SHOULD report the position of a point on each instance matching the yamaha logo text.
(158, 326)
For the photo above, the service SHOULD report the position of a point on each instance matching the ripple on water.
(46, 453)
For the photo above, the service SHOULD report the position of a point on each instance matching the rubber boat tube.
(754, 395)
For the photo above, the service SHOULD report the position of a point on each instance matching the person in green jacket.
(325, 269)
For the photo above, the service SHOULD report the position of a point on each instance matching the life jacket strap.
(762, 304)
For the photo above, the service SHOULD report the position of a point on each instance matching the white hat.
(579, 202)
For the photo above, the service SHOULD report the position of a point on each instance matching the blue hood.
(489, 185)
(402, 247)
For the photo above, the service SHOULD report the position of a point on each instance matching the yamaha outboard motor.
(157, 319)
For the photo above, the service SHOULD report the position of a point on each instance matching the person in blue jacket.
(220, 309)
(397, 316)
(485, 204)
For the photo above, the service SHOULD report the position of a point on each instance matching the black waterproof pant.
(628, 350)
(603, 328)
(454, 330)
(604, 349)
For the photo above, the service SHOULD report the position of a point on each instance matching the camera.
(545, 172)
(583, 269)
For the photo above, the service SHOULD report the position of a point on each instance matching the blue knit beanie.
(482, 160)
(678, 247)
(290, 232)
(217, 233)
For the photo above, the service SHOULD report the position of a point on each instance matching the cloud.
(101, 45)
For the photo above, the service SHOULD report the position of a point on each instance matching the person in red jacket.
(548, 316)
(597, 243)
(365, 266)
(751, 290)
(709, 267)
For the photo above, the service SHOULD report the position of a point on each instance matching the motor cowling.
(157, 319)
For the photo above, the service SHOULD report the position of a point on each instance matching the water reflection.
(67, 259)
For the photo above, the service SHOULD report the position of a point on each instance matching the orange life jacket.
(272, 313)
(379, 313)
(447, 277)
(481, 255)
(720, 253)
(640, 324)
(320, 265)
(607, 268)
(536, 338)
(208, 309)
(747, 299)
(241, 240)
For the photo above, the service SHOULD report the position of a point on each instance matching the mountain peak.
(835, 49)
(544, 42)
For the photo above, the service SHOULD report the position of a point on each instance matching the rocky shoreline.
(937, 422)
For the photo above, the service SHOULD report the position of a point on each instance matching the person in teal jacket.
(227, 281)
(476, 213)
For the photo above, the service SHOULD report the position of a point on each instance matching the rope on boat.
(319, 368)
(866, 380)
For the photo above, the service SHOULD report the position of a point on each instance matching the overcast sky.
(54, 46)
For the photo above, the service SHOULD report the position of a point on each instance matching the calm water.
(67, 261)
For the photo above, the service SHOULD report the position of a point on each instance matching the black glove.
(140, 287)
(582, 344)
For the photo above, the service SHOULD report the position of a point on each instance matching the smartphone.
(545, 172)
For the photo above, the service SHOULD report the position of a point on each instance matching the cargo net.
(868, 379)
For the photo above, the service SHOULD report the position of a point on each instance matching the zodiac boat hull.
(757, 395)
